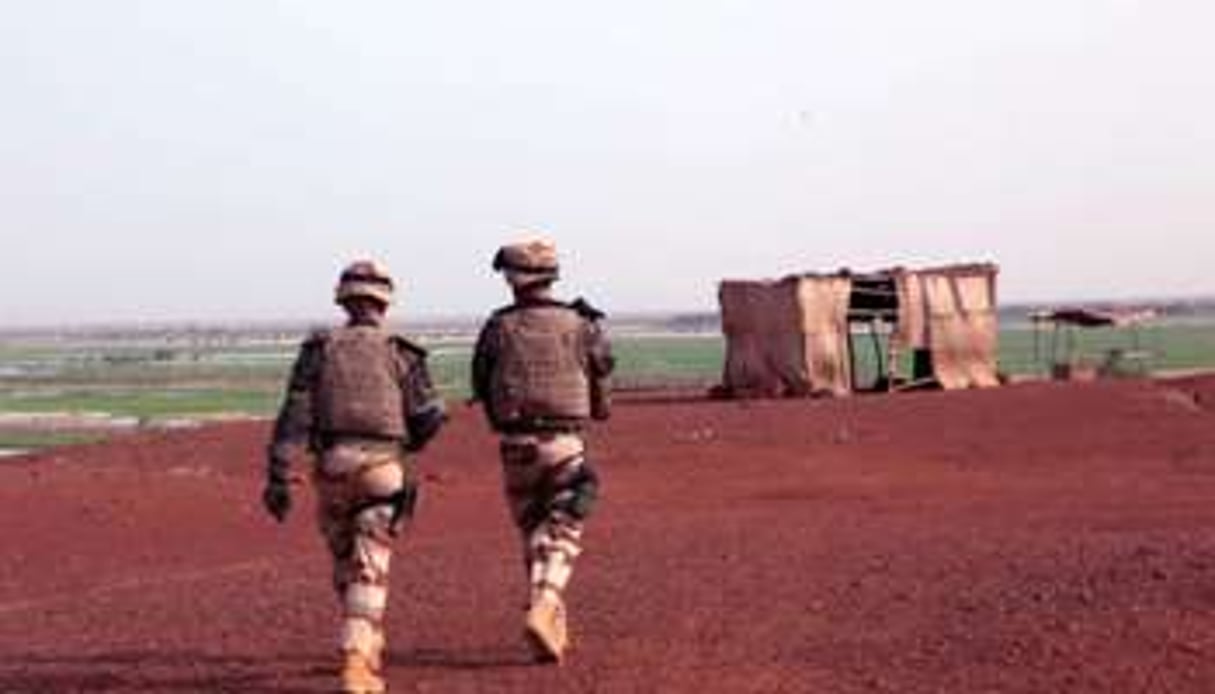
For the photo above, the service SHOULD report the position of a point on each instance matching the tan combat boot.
(546, 629)
(358, 675)
(378, 647)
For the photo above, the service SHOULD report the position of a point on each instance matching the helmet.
(365, 278)
(528, 261)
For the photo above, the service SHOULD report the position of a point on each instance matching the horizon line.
(440, 320)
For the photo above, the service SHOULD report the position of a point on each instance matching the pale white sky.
(198, 160)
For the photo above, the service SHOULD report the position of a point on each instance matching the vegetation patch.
(32, 440)
(243, 375)
(144, 404)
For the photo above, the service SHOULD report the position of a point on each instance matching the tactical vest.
(358, 392)
(540, 372)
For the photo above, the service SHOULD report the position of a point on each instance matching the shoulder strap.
(584, 309)
(317, 338)
(408, 345)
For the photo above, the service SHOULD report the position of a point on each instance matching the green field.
(26, 440)
(156, 383)
(143, 404)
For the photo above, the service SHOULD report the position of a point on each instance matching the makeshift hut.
(798, 335)
(1065, 359)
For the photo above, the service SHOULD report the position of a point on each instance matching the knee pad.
(577, 494)
(387, 512)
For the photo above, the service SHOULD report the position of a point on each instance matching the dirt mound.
(1036, 538)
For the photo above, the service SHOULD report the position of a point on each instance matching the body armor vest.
(358, 392)
(541, 368)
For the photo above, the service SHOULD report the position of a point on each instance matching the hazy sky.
(222, 158)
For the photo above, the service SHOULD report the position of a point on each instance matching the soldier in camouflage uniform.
(359, 398)
(540, 369)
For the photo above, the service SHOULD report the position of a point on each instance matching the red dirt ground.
(1038, 538)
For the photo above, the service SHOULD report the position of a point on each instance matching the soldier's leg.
(550, 489)
(338, 524)
(375, 517)
(564, 496)
(359, 523)
(333, 522)
(554, 546)
(522, 476)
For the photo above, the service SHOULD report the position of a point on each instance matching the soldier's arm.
(599, 351)
(293, 426)
(600, 365)
(425, 413)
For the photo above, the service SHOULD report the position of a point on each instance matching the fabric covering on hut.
(792, 336)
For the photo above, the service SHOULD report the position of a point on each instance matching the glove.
(276, 498)
(424, 424)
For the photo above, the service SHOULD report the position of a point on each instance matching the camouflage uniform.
(359, 397)
(540, 368)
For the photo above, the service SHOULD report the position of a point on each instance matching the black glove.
(423, 424)
(276, 498)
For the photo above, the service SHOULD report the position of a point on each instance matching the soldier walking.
(540, 368)
(359, 398)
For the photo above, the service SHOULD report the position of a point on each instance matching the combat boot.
(546, 629)
(378, 647)
(359, 677)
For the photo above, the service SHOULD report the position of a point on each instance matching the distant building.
(797, 336)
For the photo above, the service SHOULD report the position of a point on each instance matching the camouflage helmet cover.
(528, 261)
(364, 278)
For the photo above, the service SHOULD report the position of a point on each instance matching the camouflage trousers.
(360, 487)
(549, 488)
